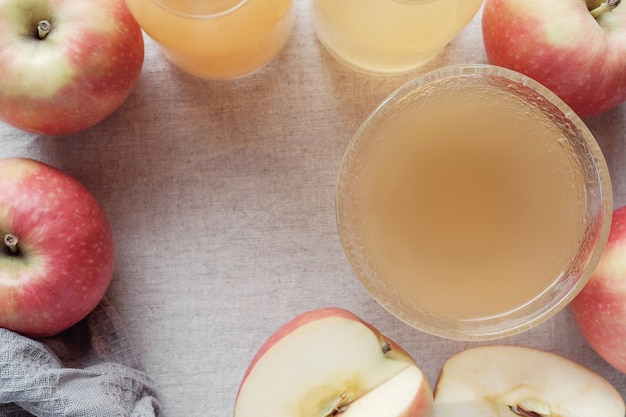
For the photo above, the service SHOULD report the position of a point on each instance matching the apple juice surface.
(217, 40)
(467, 216)
(389, 36)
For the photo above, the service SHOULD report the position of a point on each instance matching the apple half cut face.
(328, 362)
(512, 381)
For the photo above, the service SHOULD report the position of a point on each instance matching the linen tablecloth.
(221, 197)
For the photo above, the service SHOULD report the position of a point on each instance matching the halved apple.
(328, 362)
(511, 381)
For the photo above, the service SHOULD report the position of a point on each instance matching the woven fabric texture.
(90, 370)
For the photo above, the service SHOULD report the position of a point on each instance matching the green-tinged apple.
(576, 48)
(511, 381)
(66, 65)
(600, 308)
(328, 362)
(57, 254)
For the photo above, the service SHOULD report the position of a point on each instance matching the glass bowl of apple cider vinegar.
(386, 37)
(473, 203)
(217, 39)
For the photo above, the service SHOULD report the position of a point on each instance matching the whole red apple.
(328, 362)
(576, 48)
(65, 65)
(57, 255)
(600, 308)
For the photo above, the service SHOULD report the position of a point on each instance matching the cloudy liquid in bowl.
(467, 204)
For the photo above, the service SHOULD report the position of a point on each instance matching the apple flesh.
(576, 48)
(497, 381)
(56, 258)
(65, 65)
(328, 362)
(600, 308)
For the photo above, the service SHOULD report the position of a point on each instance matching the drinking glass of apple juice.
(473, 203)
(389, 36)
(216, 39)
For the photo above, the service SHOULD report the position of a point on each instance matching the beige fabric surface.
(221, 198)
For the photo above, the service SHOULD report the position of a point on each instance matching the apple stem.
(10, 241)
(43, 28)
(605, 7)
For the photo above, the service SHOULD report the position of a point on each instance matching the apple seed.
(520, 411)
(10, 241)
(605, 7)
(43, 28)
(336, 406)
(340, 404)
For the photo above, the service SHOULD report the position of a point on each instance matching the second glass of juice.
(389, 36)
(216, 39)
(473, 203)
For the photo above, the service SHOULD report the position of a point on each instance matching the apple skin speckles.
(562, 46)
(75, 77)
(65, 255)
(600, 308)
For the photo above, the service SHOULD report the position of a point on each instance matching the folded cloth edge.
(89, 370)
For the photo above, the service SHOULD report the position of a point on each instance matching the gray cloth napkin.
(90, 370)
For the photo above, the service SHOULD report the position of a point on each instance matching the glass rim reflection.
(230, 8)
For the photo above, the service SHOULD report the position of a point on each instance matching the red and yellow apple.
(328, 362)
(600, 308)
(495, 381)
(57, 255)
(65, 65)
(576, 48)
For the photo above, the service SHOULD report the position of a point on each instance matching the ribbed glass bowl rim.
(592, 146)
